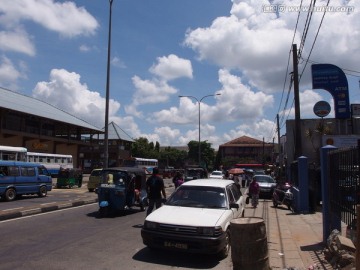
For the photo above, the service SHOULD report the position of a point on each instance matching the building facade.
(248, 149)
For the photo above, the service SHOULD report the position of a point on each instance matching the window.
(28, 171)
(42, 171)
(13, 171)
(234, 193)
(4, 171)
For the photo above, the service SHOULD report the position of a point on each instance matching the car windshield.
(216, 173)
(264, 179)
(198, 196)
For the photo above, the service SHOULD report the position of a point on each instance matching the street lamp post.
(199, 101)
(106, 139)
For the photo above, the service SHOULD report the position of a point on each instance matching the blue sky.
(56, 51)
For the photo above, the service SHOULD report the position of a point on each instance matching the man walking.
(155, 187)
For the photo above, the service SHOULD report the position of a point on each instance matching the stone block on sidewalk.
(344, 243)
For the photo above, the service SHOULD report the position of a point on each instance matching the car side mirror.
(234, 205)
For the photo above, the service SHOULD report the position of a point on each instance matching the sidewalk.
(294, 240)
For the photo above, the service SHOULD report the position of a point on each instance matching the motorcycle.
(282, 195)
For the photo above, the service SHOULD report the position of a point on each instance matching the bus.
(12, 153)
(52, 162)
(145, 163)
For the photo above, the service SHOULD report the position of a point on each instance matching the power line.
(286, 75)
(313, 44)
(306, 27)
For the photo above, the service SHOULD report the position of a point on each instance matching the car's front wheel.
(225, 252)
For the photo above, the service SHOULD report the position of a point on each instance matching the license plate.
(175, 245)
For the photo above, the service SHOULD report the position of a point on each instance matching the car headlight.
(212, 231)
(150, 225)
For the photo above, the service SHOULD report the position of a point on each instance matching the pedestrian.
(236, 179)
(254, 190)
(178, 179)
(248, 177)
(155, 187)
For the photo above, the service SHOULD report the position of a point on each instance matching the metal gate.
(344, 183)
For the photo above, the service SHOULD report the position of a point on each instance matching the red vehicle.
(256, 167)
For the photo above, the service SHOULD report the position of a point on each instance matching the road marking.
(48, 203)
(12, 209)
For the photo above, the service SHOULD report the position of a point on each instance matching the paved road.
(75, 238)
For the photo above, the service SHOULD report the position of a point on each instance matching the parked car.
(192, 173)
(216, 174)
(94, 179)
(267, 185)
(196, 218)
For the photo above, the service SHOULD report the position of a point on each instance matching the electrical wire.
(285, 79)
(313, 44)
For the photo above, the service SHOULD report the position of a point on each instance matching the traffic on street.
(77, 238)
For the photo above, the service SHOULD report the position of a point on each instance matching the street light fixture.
(199, 101)
(106, 139)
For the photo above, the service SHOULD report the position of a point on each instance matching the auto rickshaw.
(121, 188)
(69, 178)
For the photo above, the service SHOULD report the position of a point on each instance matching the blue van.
(23, 178)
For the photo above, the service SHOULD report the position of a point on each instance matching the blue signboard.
(332, 78)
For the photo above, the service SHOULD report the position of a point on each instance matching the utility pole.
(298, 147)
(263, 159)
(280, 172)
(106, 139)
(278, 136)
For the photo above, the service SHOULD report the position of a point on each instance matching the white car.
(196, 218)
(217, 175)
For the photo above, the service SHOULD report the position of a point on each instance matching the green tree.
(142, 148)
(157, 147)
(172, 157)
(207, 154)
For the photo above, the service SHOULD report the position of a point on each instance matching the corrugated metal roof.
(18, 102)
(116, 133)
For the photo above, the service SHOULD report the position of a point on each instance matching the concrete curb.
(38, 210)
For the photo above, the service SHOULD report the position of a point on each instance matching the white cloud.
(62, 17)
(236, 102)
(117, 62)
(148, 92)
(258, 43)
(9, 73)
(172, 67)
(64, 90)
(17, 40)
(84, 48)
